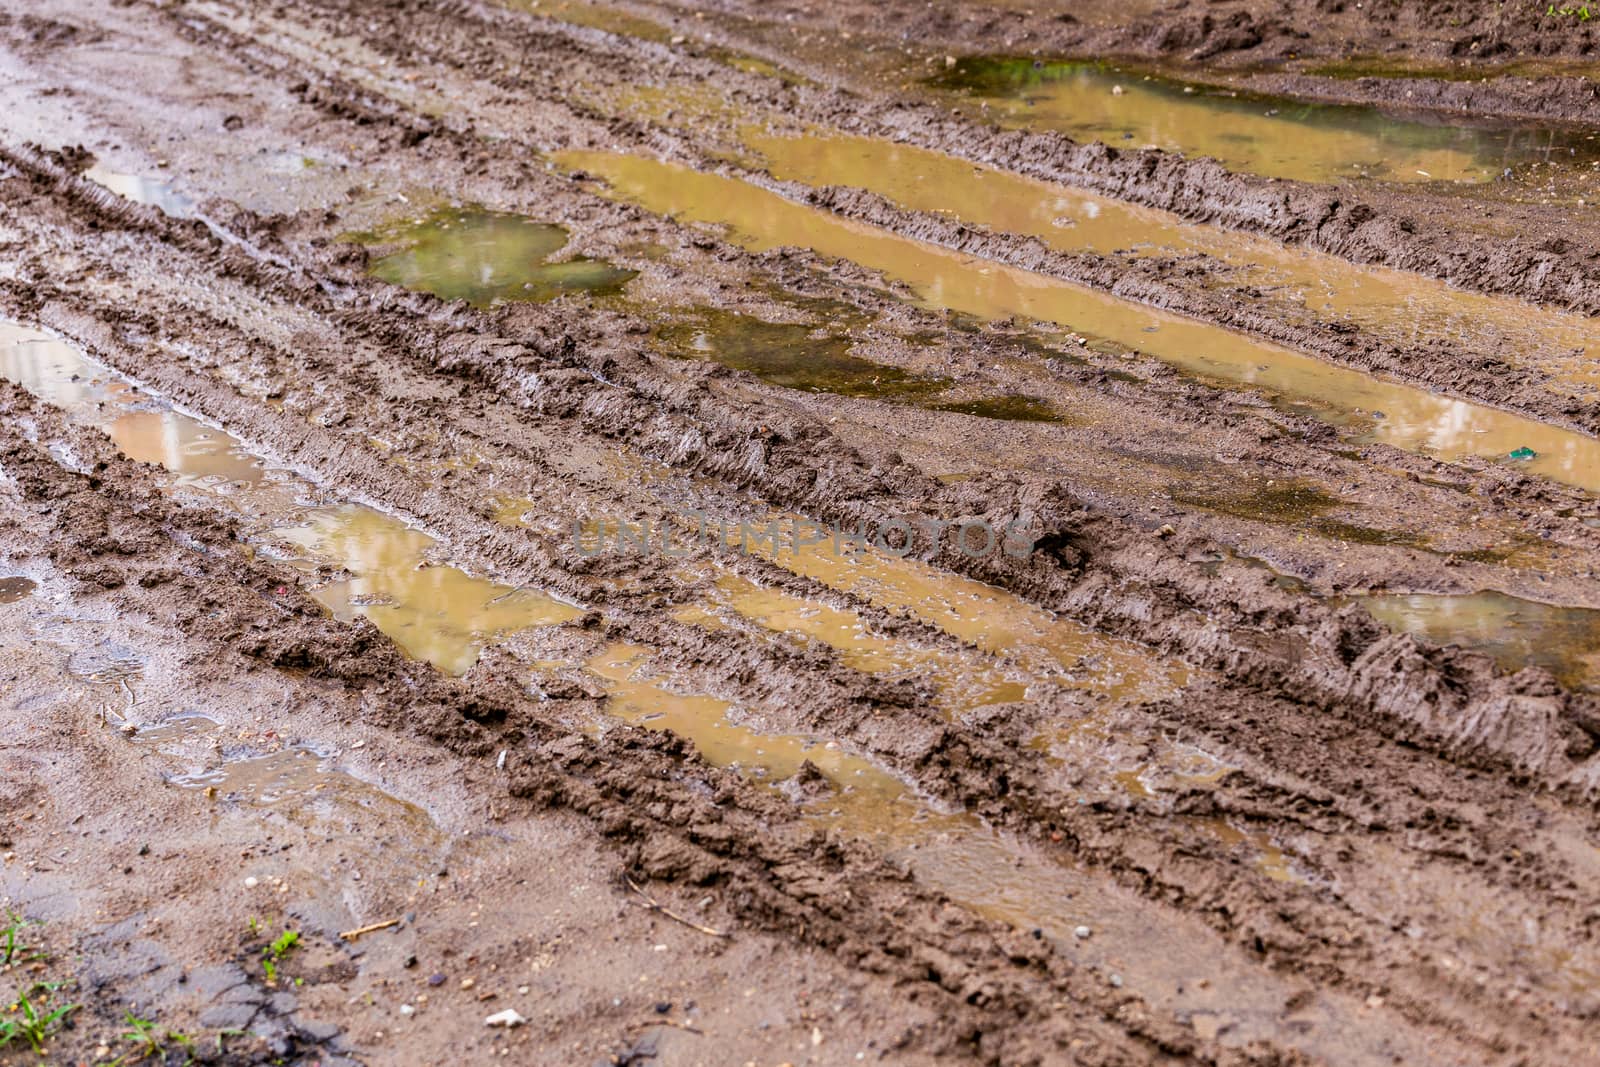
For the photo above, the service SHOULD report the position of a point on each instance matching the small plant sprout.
(33, 1022)
(149, 1042)
(12, 949)
(142, 1035)
(274, 953)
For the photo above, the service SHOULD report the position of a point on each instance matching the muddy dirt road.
(551, 532)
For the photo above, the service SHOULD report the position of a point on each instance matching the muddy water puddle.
(16, 589)
(964, 681)
(1411, 418)
(1277, 137)
(815, 359)
(1292, 502)
(141, 190)
(1518, 633)
(990, 620)
(1173, 962)
(434, 612)
(793, 355)
(487, 258)
(1407, 306)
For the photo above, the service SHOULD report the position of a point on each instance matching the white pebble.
(1081, 932)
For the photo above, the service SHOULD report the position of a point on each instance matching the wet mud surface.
(731, 551)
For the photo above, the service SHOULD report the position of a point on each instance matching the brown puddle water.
(1517, 633)
(1407, 305)
(486, 258)
(1178, 965)
(1258, 134)
(1413, 419)
(14, 589)
(964, 681)
(989, 619)
(436, 613)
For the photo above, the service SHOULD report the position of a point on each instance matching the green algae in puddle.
(1273, 136)
(814, 359)
(793, 355)
(487, 258)
(1011, 407)
(1291, 502)
(1517, 633)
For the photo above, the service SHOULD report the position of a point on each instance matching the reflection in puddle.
(15, 589)
(1413, 419)
(142, 191)
(436, 613)
(964, 681)
(1409, 305)
(604, 17)
(201, 456)
(263, 779)
(1517, 633)
(305, 788)
(705, 721)
(176, 730)
(487, 258)
(1263, 135)
(106, 663)
(991, 620)
(999, 877)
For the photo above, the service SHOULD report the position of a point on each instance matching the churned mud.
(999, 533)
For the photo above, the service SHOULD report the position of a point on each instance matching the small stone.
(1167, 530)
(406, 1009)
(468, 983)
(436, 979)
(1081, 932)
(508, 1019)
(1116, 90)
(663, 1006)
(678, 38)
(251, 882)
(1116, 981)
